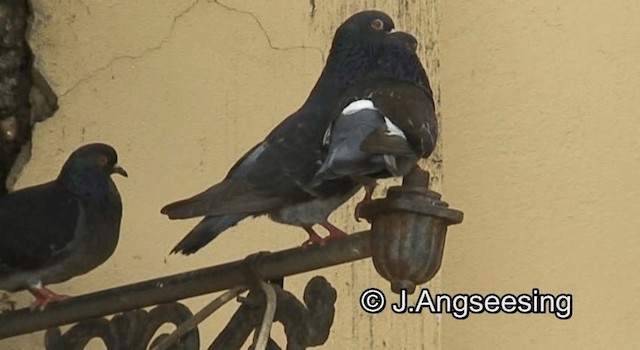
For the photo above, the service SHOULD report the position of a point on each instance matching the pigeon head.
(90, 166)
(399, 59)
(364, 29)
(402, 40)
(355, 48)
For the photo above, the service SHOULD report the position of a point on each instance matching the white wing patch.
(357, 106)
(392, 166)
(393, 130)
(327, 136)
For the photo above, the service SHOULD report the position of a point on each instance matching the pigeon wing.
(411, 109)
(235, 194)
(380, 142)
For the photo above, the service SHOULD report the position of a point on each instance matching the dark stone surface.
(22, 89)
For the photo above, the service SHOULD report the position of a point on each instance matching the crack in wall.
(312, 13)
(167, 38)
(27, 98)
(141, 54)
(266, 35)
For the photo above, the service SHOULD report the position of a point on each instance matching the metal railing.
(406, 243)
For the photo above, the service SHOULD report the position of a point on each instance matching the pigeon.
(385, 123)
(61, 229)
(272, 178)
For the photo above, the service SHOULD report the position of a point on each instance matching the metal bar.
(186, 285)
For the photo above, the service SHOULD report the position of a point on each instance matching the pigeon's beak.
(119, 170)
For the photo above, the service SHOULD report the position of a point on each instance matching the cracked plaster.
(182, 90)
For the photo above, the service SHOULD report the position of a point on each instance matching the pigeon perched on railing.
(52, 232)
(273, 177)
(385, 123)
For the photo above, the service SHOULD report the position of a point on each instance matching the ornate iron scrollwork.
(305, 324)
(132, 330)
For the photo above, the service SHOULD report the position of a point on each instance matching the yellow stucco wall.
(182, 89)
(540, 104)
(539, 115)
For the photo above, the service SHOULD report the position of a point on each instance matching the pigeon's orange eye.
(103, 160)
(377, 24)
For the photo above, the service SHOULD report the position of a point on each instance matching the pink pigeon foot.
(44, 297)
(314, 238)
(334, 233)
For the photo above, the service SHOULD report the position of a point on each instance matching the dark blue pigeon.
(63, 228)
(273, 177)
(385, 123)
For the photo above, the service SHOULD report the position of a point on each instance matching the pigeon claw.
(334, 232)
(312, 241)
(368, 197)
(45, 297)
(313, 238)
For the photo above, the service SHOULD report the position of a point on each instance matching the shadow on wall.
(25, 96)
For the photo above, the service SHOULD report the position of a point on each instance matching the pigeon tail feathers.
(206, 231)
(191, 207)
(228, 197)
